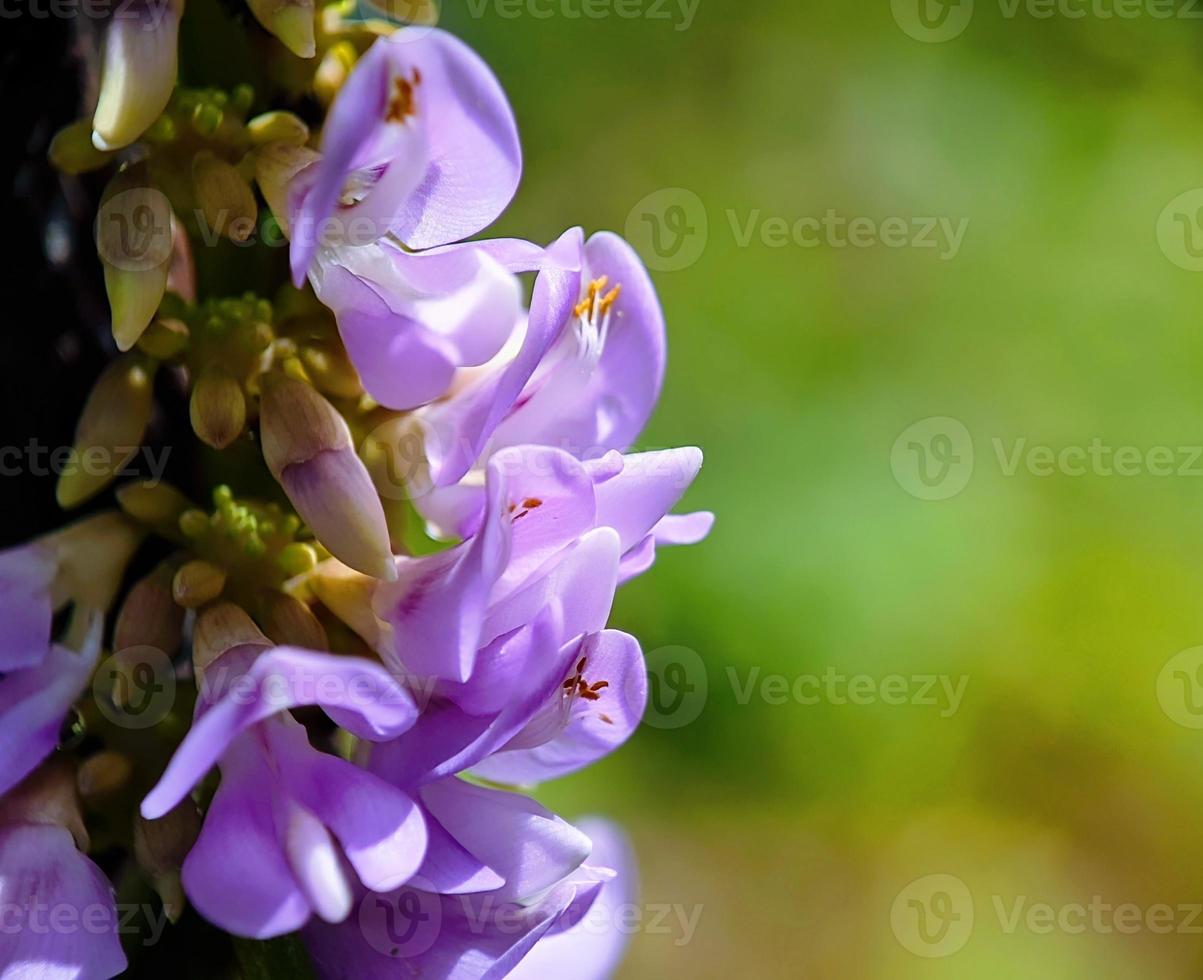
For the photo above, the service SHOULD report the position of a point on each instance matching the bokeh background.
(1062, 319)
(1069, 772)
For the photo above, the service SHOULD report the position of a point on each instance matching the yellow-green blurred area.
(1061, 779)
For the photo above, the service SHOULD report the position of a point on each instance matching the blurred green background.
(1060, 320)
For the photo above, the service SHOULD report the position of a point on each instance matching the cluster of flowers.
(376, 826)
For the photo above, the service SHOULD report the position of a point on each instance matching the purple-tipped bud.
(309, 451)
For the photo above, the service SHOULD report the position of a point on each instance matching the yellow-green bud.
(217, 408)
(110, 429)
(197, 583)
(226, 199)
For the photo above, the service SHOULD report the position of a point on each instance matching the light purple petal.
(34, 702)
(380, 828)
(672, 529)
(43, 875)
(594, 947)
(468, 938)
(357, 694)
(592, 399)
(548, 499)
(409, 320)
(437, 604)
(475, 157)
(592, 728)
(579, 587)
(458, 429)
(236, 874)
(526, 844)
(635, 500)
(447, 739)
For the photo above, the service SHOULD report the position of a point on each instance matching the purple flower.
(593, 948)
(286, 815)
(420, 142)
(44, 875)
(57, 917)
(35, 699)
(554, 537)
(585, 378)
(490, 840)
(531, 712)
(410, 320)
(453, 937)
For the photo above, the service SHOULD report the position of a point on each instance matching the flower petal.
(357, 694)
(475, 158)
(526, 844)
(45, 876)
(236, 874)
(595, 727)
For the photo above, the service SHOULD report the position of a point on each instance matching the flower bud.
(92, 555)
(288, 621)
(139, 71)
(276, 164)
(110, 429)
(278, 126)
(196, 583)
(158, 505)
(226, 199)
(150, 617)
(134, 238)
(307, 447)
(102, 775)
(160, 847)
(217, 408)
(219, 629)
(290, 20)
(71, 150)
